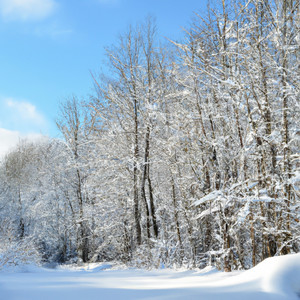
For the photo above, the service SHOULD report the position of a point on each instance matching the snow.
(276, 278)
(211, 196)
(295, 178)
(208, 212)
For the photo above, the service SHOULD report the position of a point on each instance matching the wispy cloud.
(22, 116)
(19, 119)
(26, 10)
(25, 111)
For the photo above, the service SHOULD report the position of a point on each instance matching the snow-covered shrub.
(16, 251)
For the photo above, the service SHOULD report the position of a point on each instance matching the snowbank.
(281, 275)
(276, 278)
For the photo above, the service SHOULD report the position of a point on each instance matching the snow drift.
(276, 278)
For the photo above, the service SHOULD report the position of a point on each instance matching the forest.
(186, 154)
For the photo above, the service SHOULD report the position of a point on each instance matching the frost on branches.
(186, 155)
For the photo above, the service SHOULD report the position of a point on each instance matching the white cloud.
(22, 116)
(25, 111)
(19, 120)
(26, 10)
(10, 138)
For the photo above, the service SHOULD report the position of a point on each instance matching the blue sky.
(49, 47)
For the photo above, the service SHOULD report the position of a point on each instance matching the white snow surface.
(275, 278)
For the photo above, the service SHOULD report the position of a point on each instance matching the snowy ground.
(275, 278)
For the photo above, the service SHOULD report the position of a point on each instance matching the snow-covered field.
(275, 278)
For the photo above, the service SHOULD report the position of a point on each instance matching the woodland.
(186, 154)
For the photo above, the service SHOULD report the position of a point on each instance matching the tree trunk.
(135, 178)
